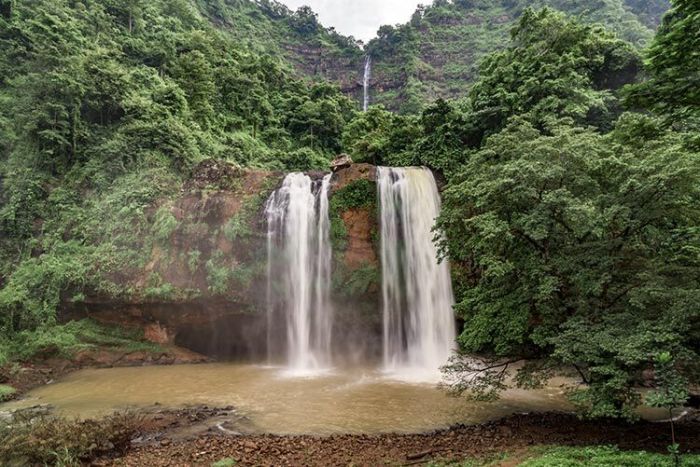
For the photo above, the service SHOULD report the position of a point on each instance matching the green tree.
(671, 393)
(381, 137)
(673, 63)
(581, 250)
(554, 68)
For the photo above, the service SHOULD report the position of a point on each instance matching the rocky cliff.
(203, 281)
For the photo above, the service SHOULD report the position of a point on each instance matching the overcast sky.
(359, 18)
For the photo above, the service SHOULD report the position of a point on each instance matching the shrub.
(218, 275)
(6, 392)
(58, 441)
(237, 227)
(64, 340)
(193, 261)
(164, 225)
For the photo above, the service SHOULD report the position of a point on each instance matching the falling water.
(299, 268)
(419, 327)
(366, 81)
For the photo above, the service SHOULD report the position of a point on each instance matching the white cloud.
(359, 18)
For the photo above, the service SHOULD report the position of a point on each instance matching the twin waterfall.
(418, 323)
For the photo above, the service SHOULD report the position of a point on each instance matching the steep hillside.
(438, 52)
(269, 27)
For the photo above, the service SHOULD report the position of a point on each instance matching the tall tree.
(673, 63)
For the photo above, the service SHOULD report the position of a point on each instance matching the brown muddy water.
(348, 401)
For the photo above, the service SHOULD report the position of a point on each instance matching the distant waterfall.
(417, 299)
(366, 82)
(299, 271)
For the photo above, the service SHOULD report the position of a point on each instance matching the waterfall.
(366, 81)
(299, 272)
(417, 299)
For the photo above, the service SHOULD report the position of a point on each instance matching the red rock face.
(193, 312)
(158, 334)
(360, 223)
(345, 176)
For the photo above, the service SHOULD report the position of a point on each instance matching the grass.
(6, 392)
(604, 456)
(228, 462)
(590, 456)
(67, 339)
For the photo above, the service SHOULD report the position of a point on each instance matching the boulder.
(343, 161)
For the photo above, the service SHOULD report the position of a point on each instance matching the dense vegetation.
(106, 107)
(576, 228)
(572, 165)
(437, 53)
(603, 457)
(571, 208)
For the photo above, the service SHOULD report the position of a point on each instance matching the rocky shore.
(514, 435)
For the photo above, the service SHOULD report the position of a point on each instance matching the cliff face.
(356, 271)
(202, 284)
(203, 265)
(319, 62)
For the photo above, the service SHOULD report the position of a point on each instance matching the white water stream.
(418, 321)
(366, 82)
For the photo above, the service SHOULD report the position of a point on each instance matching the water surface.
(349, 401)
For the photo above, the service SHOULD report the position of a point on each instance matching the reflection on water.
(351, 401)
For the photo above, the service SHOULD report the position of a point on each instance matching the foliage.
(673, 87)
(380, 137)
(361, 280)
(582, 247)
(671, 393)
(228, 462)
(165, 224)
(6, 392)
(555, 68)
(236, 227)
(59, 441)
(603, 456)
(193, 260)
(358, 194)
(107, 107)
(64, 340)
(157, 288)
(437, 54)
(361, 193)
(218, 275)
